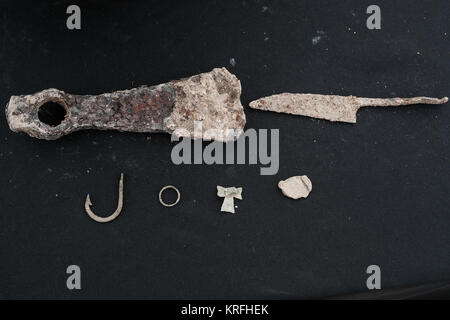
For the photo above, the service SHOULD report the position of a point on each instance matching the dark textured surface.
(380, 187)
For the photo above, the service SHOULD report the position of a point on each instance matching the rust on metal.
(331, 107)
(212, 98)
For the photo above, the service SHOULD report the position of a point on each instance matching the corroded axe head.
(211, 99)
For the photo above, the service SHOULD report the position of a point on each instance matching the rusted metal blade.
(331, 107)
(212, 99)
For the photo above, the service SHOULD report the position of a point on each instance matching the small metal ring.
(171, 204)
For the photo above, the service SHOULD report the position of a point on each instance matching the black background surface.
(380, 187)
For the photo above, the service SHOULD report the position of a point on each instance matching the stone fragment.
(296, 187)
(331, 107)
(210, 100)
(229, 194)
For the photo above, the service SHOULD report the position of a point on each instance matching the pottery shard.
(296, 187)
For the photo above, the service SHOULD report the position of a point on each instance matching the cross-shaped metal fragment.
(229, 194)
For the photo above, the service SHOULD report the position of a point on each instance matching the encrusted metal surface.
(331, 107)
(212, 99)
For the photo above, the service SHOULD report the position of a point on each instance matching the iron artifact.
(212, 99)
(331, 107)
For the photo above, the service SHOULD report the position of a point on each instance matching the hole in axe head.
(52, 113)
